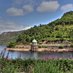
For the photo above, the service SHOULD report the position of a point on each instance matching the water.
(34, 55)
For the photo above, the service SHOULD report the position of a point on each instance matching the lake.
(34, 55)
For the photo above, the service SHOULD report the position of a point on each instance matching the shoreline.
(39, 50)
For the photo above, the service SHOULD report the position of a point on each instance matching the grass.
(36, 66)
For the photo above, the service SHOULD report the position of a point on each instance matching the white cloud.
(67, 7)
(27, 8)
(6, 26)
(15, 11)
(48, 6)
(21, 2)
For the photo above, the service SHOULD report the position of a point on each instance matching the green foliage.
(43, 46)
(61, 28)
(7, 37)
(11, 45)
(61, 47)
(36, 66)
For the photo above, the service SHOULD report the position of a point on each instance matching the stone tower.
(34, 45)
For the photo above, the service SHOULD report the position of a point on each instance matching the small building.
(34, 45)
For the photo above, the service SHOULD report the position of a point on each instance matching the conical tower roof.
(34, 41)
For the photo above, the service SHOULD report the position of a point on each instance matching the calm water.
(34, 55)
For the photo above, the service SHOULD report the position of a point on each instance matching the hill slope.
(59, 29)
(6, 37)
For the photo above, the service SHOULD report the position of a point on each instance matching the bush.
(11, 45)
(71, 45)
(61, 47)
(43, 46)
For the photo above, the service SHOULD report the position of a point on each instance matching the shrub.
(11, 45)
(61, 47)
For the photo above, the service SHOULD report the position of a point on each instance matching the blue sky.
(23, 14)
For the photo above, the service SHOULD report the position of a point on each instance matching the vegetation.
(11, 44)
(36, 66)
(60, 29)
(7, 37)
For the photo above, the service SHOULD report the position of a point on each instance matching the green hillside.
(60, 29)
(7, 37)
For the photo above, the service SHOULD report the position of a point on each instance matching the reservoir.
(34, 55)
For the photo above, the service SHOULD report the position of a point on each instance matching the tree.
(11, 45)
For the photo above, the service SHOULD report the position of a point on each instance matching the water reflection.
(33, 55)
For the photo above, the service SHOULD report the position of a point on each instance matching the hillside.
(6, 37)
(60, 29)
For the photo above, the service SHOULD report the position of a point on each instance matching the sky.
(16, 15)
